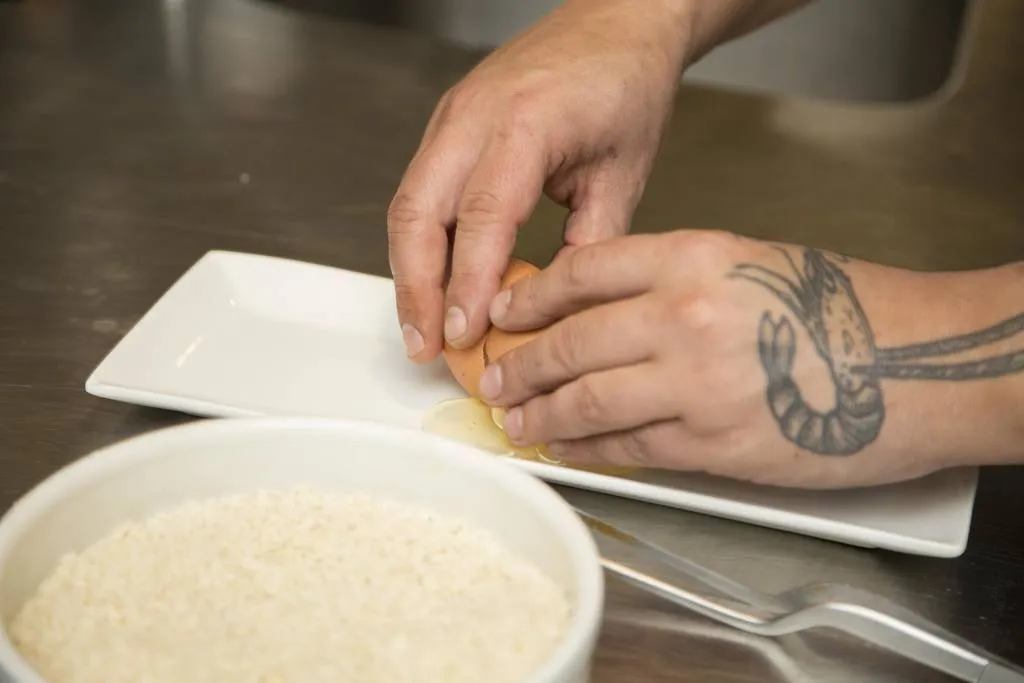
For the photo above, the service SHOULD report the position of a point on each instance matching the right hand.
(574, 107)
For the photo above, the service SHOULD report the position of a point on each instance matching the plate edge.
(208, 257)
(753, 514)
(96, 386)
(94, 376)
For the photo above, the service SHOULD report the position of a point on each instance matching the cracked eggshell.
(467, 365)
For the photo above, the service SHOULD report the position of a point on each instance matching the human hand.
(574, 107)
(706, 351)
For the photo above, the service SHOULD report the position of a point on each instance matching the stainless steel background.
(126, 125)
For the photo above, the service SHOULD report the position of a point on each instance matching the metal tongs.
(856, 612)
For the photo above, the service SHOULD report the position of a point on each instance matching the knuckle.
(579, 269)
(636, 447)
(465, 283)
(466, 274)
(411, 296)
(444, 103)
(567, 347)
(703, 311)
(643, 446)
(591, 405)
(520, 111)
(404, 292)
(519, 372)
(458, 99)
(441, 114)
(474, 276)
(479, 208)
(405, 212)
(698, 312)
(708, 250)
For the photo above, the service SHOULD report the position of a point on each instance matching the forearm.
(880, 374)
(696, 26)
(962, 362)
(719, 21)
(948, 361)
(713, 22)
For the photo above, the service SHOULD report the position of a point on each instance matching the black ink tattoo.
(966, 342)
(822, 298)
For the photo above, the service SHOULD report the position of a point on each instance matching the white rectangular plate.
(243, 334)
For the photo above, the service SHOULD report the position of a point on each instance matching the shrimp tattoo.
(822, 298)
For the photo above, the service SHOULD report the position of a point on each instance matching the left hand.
(653, 359)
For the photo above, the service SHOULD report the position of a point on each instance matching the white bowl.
(143, 475)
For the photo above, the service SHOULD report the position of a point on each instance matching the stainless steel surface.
(847, 50)
(135, 135)
(996, 673)
(680, 565)
(844, 608)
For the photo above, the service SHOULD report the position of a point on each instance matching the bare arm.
(573, 107)
(714, 22)
(688, 28)
(936, 357)
(697, 26)
(774, 363)
(734, 18)
(707, 23)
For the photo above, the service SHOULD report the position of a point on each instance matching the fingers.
(499, 197)
(657, 444)
(575, 346)
(564, 251)
(579, 279)
(612, 400)
(421, 211)
(604, 212)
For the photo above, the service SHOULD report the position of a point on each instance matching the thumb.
(604, 211)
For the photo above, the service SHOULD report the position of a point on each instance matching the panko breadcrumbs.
(292, 587)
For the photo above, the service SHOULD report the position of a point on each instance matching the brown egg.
(467, 365)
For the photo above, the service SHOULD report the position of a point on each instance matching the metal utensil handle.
(886, 625)
(689, 568)
(859, 613)
(927, 646)
(997, 672)
(894, 627)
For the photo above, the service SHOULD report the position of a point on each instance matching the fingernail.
(499, 305)
(454, 324)
(514, 424)
(490, 382)
(413, 340)
(556, 448)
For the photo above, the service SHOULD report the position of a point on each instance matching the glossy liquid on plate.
(477, 424)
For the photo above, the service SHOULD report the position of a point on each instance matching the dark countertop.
(126, 128)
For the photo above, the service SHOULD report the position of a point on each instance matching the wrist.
(911, 372)
(664, 26)
(691, 28)
(999, 362)
(953, 388)
(711, 23)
